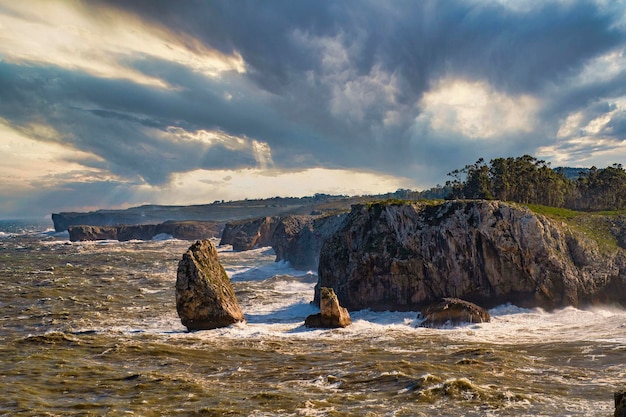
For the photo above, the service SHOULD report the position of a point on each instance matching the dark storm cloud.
(517, 51)
(328, 84)
(108, 117)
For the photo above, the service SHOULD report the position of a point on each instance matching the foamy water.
(91, 329)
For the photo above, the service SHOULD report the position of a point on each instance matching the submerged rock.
(454, 311)
(331, 314)
(205, 298)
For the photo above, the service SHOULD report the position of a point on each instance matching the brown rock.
(454, 311)
(205, 298)
(331, 314)
(249, 234)
(179, 229)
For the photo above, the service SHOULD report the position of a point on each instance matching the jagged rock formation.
(249, 234)
(454, 311)
(299, 239)
(406, 255)
(205, 298)
(188, 230)
(331, 314)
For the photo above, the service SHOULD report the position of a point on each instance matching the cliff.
(187, 230)
(403, 256)
(217, 212)
(249, 234)
(299, 239)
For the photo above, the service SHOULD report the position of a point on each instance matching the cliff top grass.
(594, 225)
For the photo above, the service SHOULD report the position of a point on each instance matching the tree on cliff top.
(528, 180)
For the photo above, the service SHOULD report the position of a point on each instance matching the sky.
(118, 103)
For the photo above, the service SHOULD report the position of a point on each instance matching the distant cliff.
(188, 230)
(296, 239)
(249, 234)
(219, 211)
(402, 256)
(153, 214)
(299, 239)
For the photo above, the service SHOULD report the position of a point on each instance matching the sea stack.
(205, 298)
(331, 314)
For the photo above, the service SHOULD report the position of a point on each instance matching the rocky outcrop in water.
(620, 403)
(299, 239)
(249, 234)
(406, 255)
(205, 298)
(454, 311)
(188, 230)
(331, 314)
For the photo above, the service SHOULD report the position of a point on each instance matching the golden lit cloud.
(476, 110)
(201, 186)
(81, 36)
(27, 162)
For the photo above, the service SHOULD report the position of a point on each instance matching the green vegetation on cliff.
(598, 226)
(528, 180)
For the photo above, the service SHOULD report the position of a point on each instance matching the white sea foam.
(276, 299)
(162, 236)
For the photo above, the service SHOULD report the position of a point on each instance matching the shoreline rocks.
(454, 311)
(249, 234)
(331, 314)
(188, 230)
(299, 239)
(205, 298)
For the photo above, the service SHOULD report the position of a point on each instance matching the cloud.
(135, 97)
(74, 36)
(475, 110)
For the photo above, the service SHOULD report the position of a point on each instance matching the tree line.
(528, 180)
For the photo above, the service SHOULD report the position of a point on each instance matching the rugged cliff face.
(249, 234)
(188, 230)
(407, 255)
(299, 239)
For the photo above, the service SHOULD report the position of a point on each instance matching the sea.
(91, 329)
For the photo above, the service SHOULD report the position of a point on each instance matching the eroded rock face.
(299, 239)
(407, 255)
(249, 234)
(454, 311)
(205, 298)
(331, 314)
(178, 229)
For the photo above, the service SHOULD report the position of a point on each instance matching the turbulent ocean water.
(90, 329)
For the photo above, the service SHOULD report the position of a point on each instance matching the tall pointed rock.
(205, 298)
